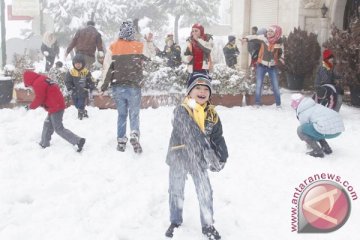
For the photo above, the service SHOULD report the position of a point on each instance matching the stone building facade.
(288, 14)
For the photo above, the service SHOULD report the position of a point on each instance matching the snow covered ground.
(102, 194)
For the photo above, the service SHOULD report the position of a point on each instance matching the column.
(324, 30)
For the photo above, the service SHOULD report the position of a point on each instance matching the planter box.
(105, 101)
(227, 100)
(265, 99)
(24, 95)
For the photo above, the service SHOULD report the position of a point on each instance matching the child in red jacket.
(49, 96)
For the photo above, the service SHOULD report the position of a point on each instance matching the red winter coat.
(47, 93)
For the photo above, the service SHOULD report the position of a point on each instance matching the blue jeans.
(177, 178)
(261, 70)
(79, 102)
(128, 100)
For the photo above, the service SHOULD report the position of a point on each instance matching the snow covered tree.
(69, 16)
(190, 11)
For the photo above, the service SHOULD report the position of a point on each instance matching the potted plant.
(229, 86)
(301, 56)
(345, 45)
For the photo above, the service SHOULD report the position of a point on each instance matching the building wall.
(288, 14)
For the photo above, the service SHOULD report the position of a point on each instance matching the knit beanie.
(231, 38)
(327, 54)
(261, 31)
(296, 99)
(127, 31)
(198, 79)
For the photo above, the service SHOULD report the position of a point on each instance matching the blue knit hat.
(127, 31)
(198, 79)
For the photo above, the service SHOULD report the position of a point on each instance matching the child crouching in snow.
(49, 96)
(196, 144)
(317, 123)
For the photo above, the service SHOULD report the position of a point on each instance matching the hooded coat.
(188, 142)
(231, 52)
(324, 120)
(79, 81)
(47, 92)
(50, 45)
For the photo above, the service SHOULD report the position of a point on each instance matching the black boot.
(122, 144)
(134, 140)
(211, 233)
(316, 149)
(80, 114)
(81, 144)
(316, 153)
(170, 231)
(85, 114)
(325, 146)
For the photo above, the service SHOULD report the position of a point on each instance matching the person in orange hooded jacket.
(49, 96)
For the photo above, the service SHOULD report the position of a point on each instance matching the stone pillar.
(244, 55)
(324, 30)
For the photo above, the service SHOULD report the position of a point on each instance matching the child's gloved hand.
(213, 160)
(217, 168)
(46, 53)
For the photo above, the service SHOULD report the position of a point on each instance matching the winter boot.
(85, 114)
(325, 146)
(316, 149)
(80, 114)
(80, 144)
(211, 233)
(134, 140)
(170, 231)
(122, 144)
(315, 153)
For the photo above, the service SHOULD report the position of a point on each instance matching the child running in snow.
(196, 144)
(317, 123)
(80, 83)
(49, 96)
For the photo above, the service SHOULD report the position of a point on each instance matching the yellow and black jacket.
(79, 82)
(188, 141)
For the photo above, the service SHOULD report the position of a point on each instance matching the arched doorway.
(352, 10)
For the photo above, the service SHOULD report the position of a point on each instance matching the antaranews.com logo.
(321, 204)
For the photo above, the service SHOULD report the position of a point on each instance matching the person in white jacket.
(317, 123)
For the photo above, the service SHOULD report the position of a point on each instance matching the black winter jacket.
(79, 83)
(231, 52)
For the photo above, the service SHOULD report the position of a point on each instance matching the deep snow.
(102, 194)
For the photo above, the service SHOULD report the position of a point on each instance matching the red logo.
(324, 207)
